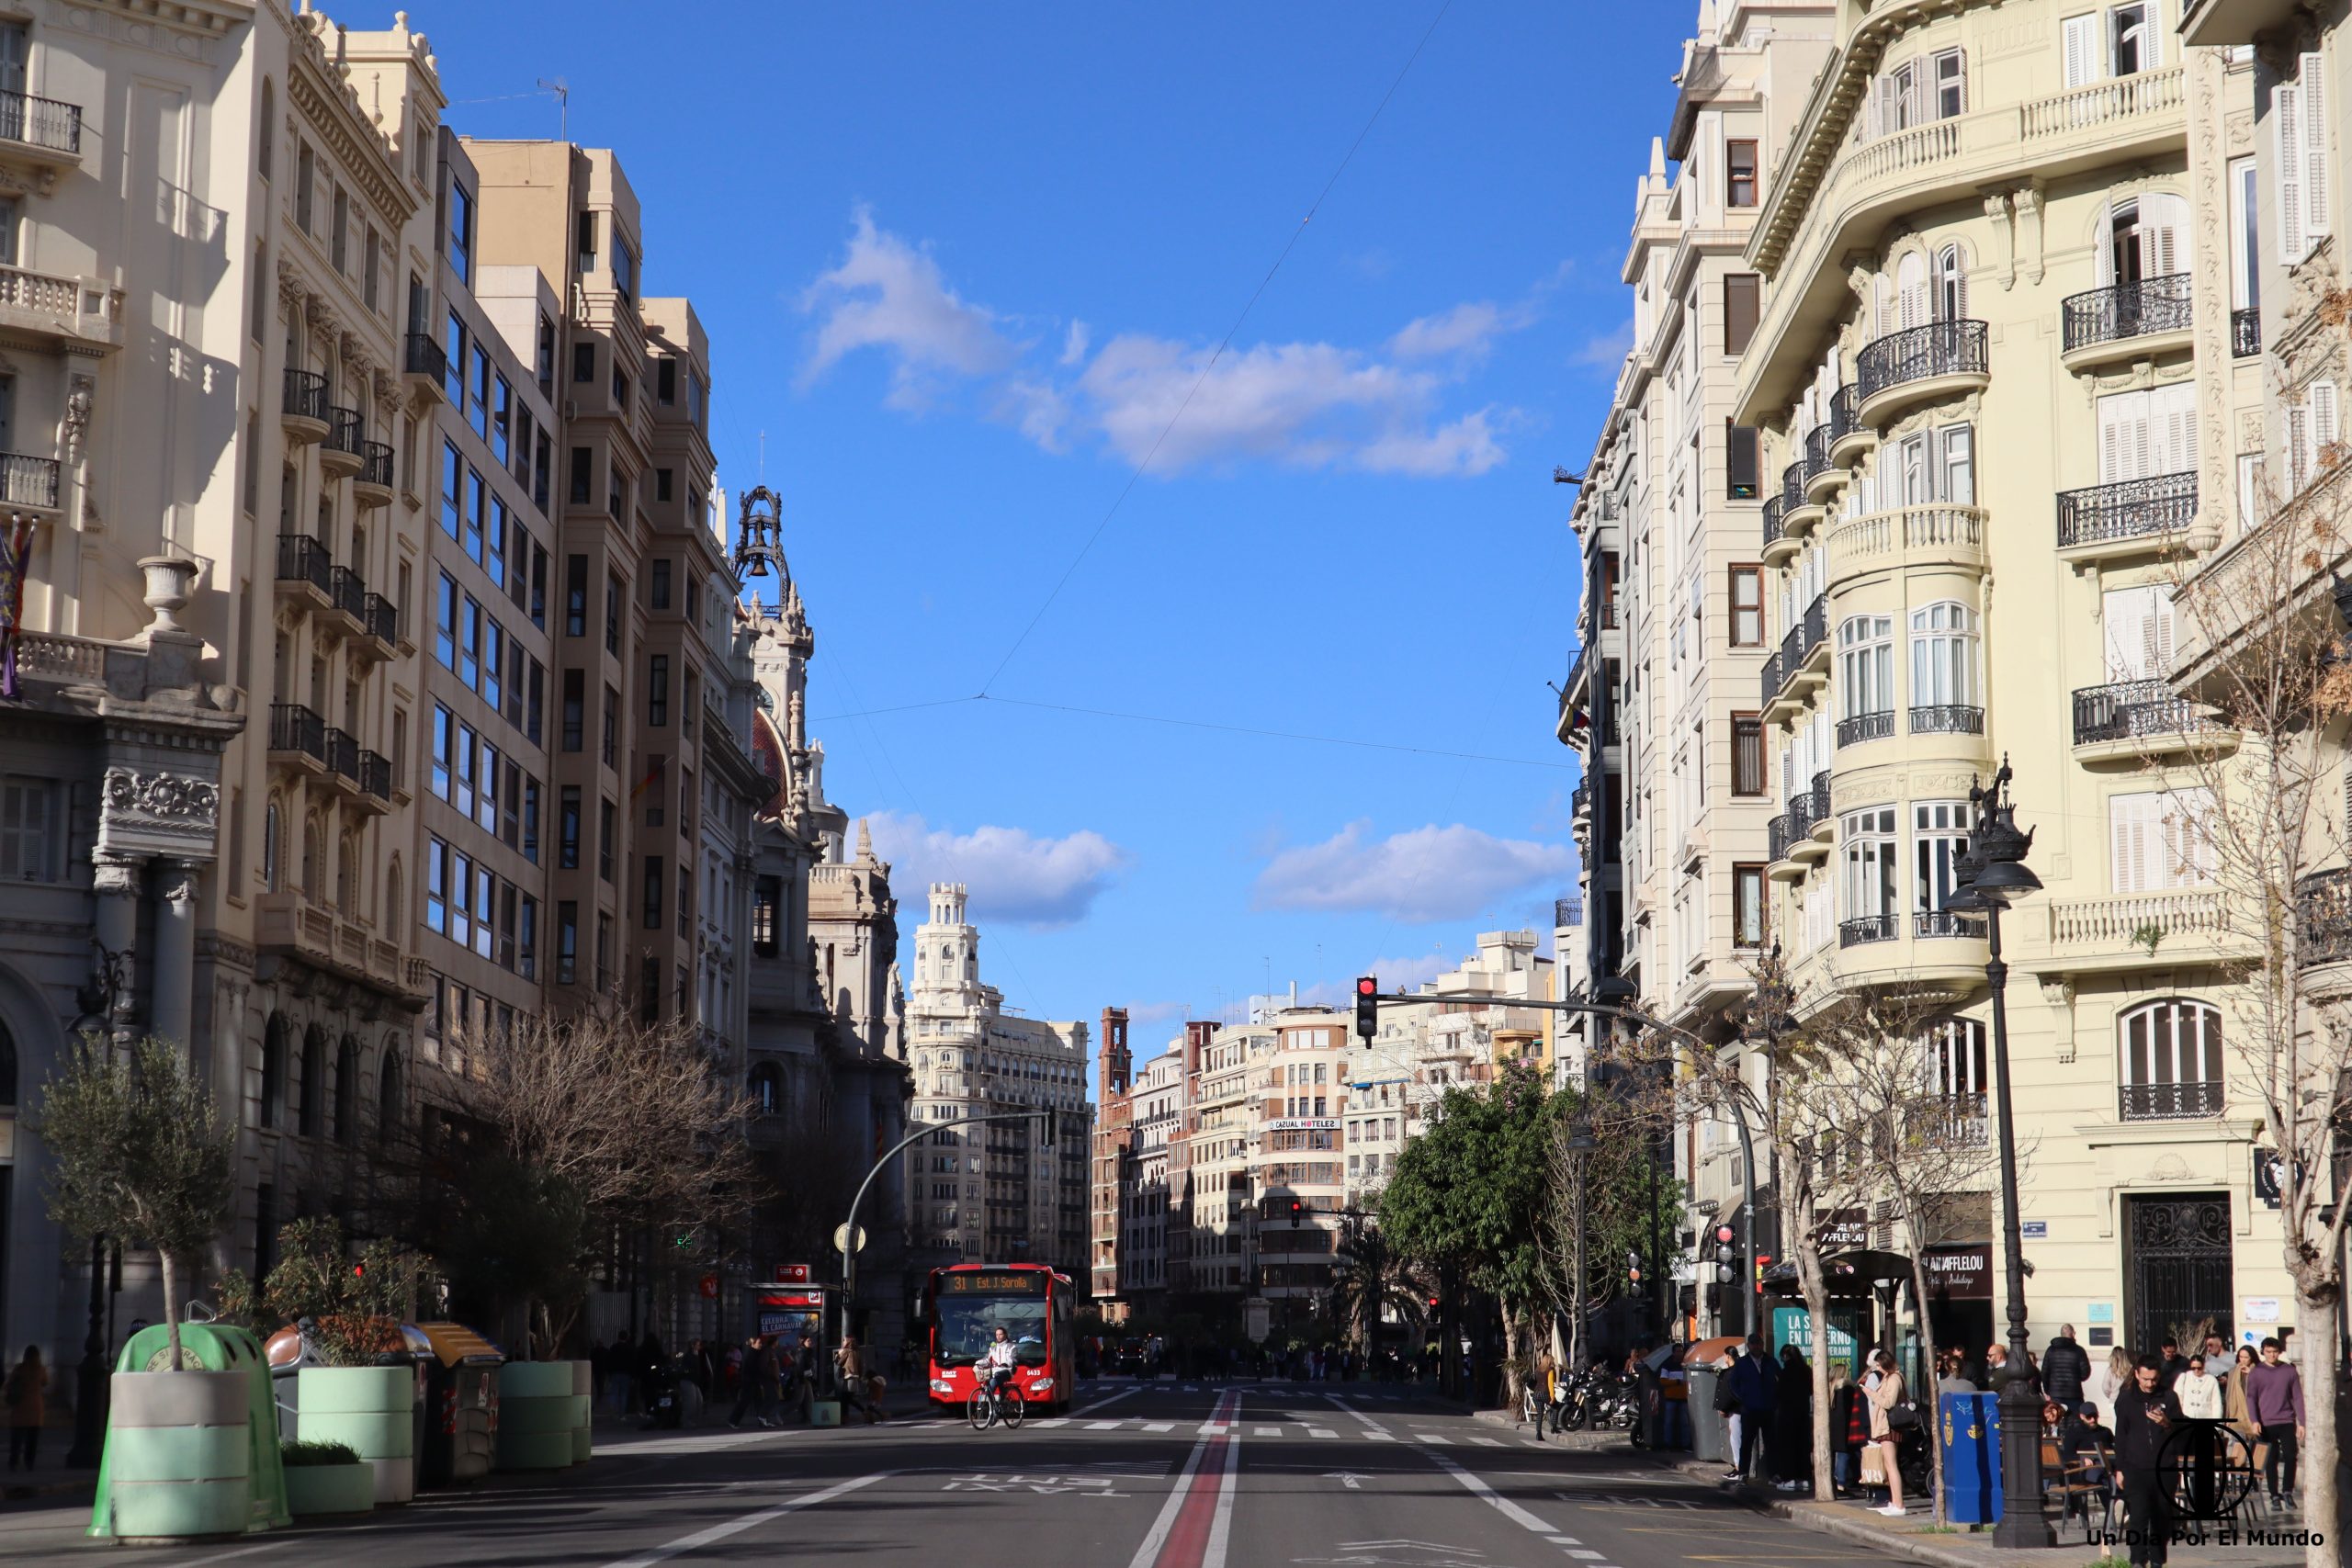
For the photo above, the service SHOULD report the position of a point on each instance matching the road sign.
(840, 1238)
(792, 1273)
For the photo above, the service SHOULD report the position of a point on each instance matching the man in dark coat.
(1754, 1381)
(2146, 1416)
(2066, 1366)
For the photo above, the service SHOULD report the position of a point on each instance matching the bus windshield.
(966, 1323)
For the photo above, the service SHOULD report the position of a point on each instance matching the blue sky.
(959, 264)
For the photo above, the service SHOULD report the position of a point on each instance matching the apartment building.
(1015, 1197)
(1973, 290)
(1114, 1145)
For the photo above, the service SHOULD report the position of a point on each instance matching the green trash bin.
(192, 1453)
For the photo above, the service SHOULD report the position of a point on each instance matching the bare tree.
(2265, 661)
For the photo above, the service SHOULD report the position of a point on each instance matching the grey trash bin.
(1709, 1440)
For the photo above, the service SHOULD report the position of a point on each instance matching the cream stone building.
(2006, 372)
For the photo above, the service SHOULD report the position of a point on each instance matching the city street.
(1161, 1476)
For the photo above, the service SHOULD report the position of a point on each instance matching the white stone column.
(172, 1011)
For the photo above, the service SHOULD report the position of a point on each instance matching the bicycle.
(990, 1405)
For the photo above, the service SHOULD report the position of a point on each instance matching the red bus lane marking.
(1190, 1530)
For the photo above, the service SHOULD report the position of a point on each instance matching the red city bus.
(967, 1303)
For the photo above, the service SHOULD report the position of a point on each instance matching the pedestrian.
(1891, 1416)
(2233, 1408)
(2146, 1413)
(2199, 1391)
(619, 1357)
(2108, 1381)
(747, 1392)
(2274, 1398)
(1754, 1378)
(2064, 1367)
(1539, 1390)
(1996, 1361)
(26, 1395)
(2171, 1363)
(1951, 1374)
(1728, 1406)
(849, 1365)
(1793, 1421)
(1848, 1434)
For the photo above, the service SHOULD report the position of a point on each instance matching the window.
(657, 692)
(567, 942)
(2174, 1048)
(575, 596)
(528, 939)
(1939, 837)
(1740, 462)
(1749, 774)
(539, 587)
(461, 233)
(453, 491)
(29, 829)
(1866, 665)
(652, 885)
(445, 623)
(604, 952)
(339, 238)
(267, 130)
(1918, 92)
(658, 584)
(1867, 843)
(1606, 591)
(624, 271)
(1943, 657)
(584, 240)
(470, 644)
(1748, 906)
(2245, 241)
(568, 830)
(306, 174)
(575, 702)
(2131, 42)
(530, 845)
(1747, 606)
(613, 615)
(612, 734)
(2298, 129)
(2136, 625)
(445, 742)
(436, 885)
(604, 842)
(502, 424)
(1952, 284)
(478, 393)
(2146, 435)
(1950, 84)
(1739, 174)
(584, 362)
(372, 271)
(665, 380)
(580, 476)
(535, 702)
(1743, 303)
(2159, 839)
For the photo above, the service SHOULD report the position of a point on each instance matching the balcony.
(2125, 322)
(2129, 720)
(347, 592)
(1919, 364)
(1914, 537)
(375, 781)
(1849, 438)
(1818, 819)
(1769, 685)
(303, 410)
(2170, 1101)
(342, 758)
(2125, 519)
(1864, 928)
(299, 736)
(1950, 1120)
(341, 453)
(1947, 719)
(2113, 932)
(1568, 912)
(2245, 334)
(74, 312)
(28, 484)
(1799, 511)
(1780, 833)
(426, 360)
(305, 570)
(2323, 932)
(1929, 925)
(1580, 800)
(1864, 726)
(1778, 547)
(1823, 477)
(293, 924)
(40, 133)
(371, 486)
(382, 619)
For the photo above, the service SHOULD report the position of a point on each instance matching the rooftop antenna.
(764, 456)
(562, 91)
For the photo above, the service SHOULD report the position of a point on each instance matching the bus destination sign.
(1024, 1282)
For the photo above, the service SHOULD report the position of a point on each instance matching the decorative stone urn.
(171, 581)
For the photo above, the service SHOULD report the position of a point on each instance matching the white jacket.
(2199, 1395)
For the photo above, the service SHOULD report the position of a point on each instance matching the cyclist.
(997, 1361)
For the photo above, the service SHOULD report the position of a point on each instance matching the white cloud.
(1394, 975)
(887, 295)
(1606, 352)
(1310, 405)
(1014, 874)
(1426, 874)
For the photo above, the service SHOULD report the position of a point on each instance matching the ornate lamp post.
(1992, 876)
(98, 997)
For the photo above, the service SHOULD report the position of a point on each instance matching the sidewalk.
(1607, 1439)
(1914, 1535)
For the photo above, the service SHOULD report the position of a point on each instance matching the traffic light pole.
(1045, 1116)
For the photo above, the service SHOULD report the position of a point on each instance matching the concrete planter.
(330, 1488)
(536, 1415)
(583, 1409)
(180, 1455)
(372, 1409)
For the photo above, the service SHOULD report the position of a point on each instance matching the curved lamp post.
(1992, 876)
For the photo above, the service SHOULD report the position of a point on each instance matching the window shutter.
(1960, 284)
(2173, 421)
(2318, 215)
(2129, 822)
(2160, 631)
(2287, 130)
(2081, 36)
(2110, 441)
(2324, 430)
(1954, 66)
(2299, 447)
(2124, 614)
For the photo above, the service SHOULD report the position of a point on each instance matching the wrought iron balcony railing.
(1863, 929)
(1947, 719)
(345, 431)
(301, 558)
(382, 618)
(2171, 1102)
(1919, 354)
(343, 753)
(2126, 310)
(1773, 509)
(1864, 726)
(1946, 923)
(2323, 917)
(1771, 683)
(2245, 334)
(306, 395)
(1817, 453)
(1792, 487)
(348, 590)
(1779, 834)
(376, 464)
(1568, 912)
(2130, 510)
(426, 356)
(1817, 803)
(376, 775)
(2127, 710)
(41, 122)
(293, 728)
(1845, 415)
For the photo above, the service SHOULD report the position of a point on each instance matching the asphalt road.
(1160, 1476)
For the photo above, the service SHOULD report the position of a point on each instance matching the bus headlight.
(1043, 1385)
(940, 1385)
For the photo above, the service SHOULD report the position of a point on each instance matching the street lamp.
(1992, 875)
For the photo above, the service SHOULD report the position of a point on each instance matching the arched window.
(268, 126)
(2143, 238)
(1956, 1058)
(766, 1089)
(346, 876)
(8, 1067)
(311, 1096)
(312, 853)
(1952, 284)
(347, 1091)
(390, 1091)
(1943, 658)
(273, 846)
(392, 891)
(273, 1069)
(2171, 1060)
(1911, 289)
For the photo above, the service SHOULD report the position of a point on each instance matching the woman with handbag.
(1891, 1415)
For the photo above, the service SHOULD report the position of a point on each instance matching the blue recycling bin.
(1969, 1427)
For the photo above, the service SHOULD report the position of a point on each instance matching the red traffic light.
(1432, 1304)
(359, 1271)
(1296, 1208)
(1366, 986)
(1723, 1234)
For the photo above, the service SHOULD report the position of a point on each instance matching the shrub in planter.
(327, 1478)
(366, 1394)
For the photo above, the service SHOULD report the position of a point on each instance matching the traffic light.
(1763, 1261)
(1296, 1210)
(1632, 1267)
(1727, 1256)
(1367, 1008)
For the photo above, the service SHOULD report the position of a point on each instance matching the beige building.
(2005, 372)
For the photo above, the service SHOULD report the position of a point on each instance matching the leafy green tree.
(141, 1154)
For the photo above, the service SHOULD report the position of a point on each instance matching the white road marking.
(1052, 1421)
(1270, 1431)
(1215, 1429)
(1123, 1393)
(1432, 1438)
(1322, 1432)
(240, 1552)
(702, 1538)
(1493, 1499)
(1563, 1540)
(1221, 1523)
(1488, 1442)
(1102, 1425)
(1586, 1556)
(1159, 1426)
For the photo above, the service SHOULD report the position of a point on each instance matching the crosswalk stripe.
(1322, 1432)
(1052, 1421)
(1488, 1442)
(1159, 1426)
(1214, 1429)
(1433, 1440)
(1270, 1431)
(1101, 1426)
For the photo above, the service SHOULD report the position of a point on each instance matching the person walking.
(1793, 1422)
(1754, 1381)
(2065, 1366)
(849, 1365)
(2147, 1415)
(1539, 1392)
(2274, 1399)
(2107, 1382)
(2233, 1411)
(26, 1394)
(757, 1355)
(1886, 1399)
(2198, 1390)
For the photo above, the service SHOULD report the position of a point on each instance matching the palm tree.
(1368, 1277)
